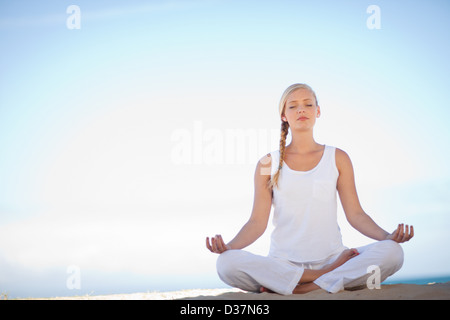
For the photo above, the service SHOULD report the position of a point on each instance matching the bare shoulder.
(342, 155)
(266, 160)
(263, 168)
(342, 159)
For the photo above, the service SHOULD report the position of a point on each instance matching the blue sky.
(93, 122)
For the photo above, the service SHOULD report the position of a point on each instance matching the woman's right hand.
(217, 245)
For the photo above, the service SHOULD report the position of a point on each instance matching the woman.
(300, 181)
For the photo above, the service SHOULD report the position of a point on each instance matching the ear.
(318, 112)
(283, 118)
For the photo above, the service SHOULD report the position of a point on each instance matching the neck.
(302, 142)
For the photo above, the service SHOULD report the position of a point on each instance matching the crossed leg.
(306, 283)
(255, 273)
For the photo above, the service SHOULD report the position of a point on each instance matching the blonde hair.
(285, 126)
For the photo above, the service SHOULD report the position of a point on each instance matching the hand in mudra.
(217, 245)
(401, 234)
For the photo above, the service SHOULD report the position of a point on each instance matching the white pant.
(247, 271)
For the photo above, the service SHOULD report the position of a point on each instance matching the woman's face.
(301, 110)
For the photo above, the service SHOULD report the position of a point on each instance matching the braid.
(284, 133)
(285, 127)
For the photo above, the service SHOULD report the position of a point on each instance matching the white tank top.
(305, 211)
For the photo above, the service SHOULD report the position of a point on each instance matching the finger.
(401, 233)
(410, 233)
(225, 247)
(222, 245)
(208, 245)
(214, 245)
(406, 234)
(398, 233)
(219, 242)
(395, 234)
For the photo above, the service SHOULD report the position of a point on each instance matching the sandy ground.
(436, 291)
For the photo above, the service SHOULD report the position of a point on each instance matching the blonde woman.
(301, 181)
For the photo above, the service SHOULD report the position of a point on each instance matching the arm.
(354, 213)
(257, 223)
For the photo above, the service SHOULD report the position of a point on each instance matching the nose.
(300, 109)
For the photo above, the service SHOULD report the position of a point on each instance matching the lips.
(303, 118)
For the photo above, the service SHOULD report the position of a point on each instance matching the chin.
(302, 127)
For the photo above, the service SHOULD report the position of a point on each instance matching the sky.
(130, 130)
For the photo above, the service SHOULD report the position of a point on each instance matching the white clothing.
(305, 211)
(247, 271)
(306, 236)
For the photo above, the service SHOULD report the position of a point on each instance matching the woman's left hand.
(402, 234)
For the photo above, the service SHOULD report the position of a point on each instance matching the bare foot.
(343, 258)
(306, 282)
(264, 289)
